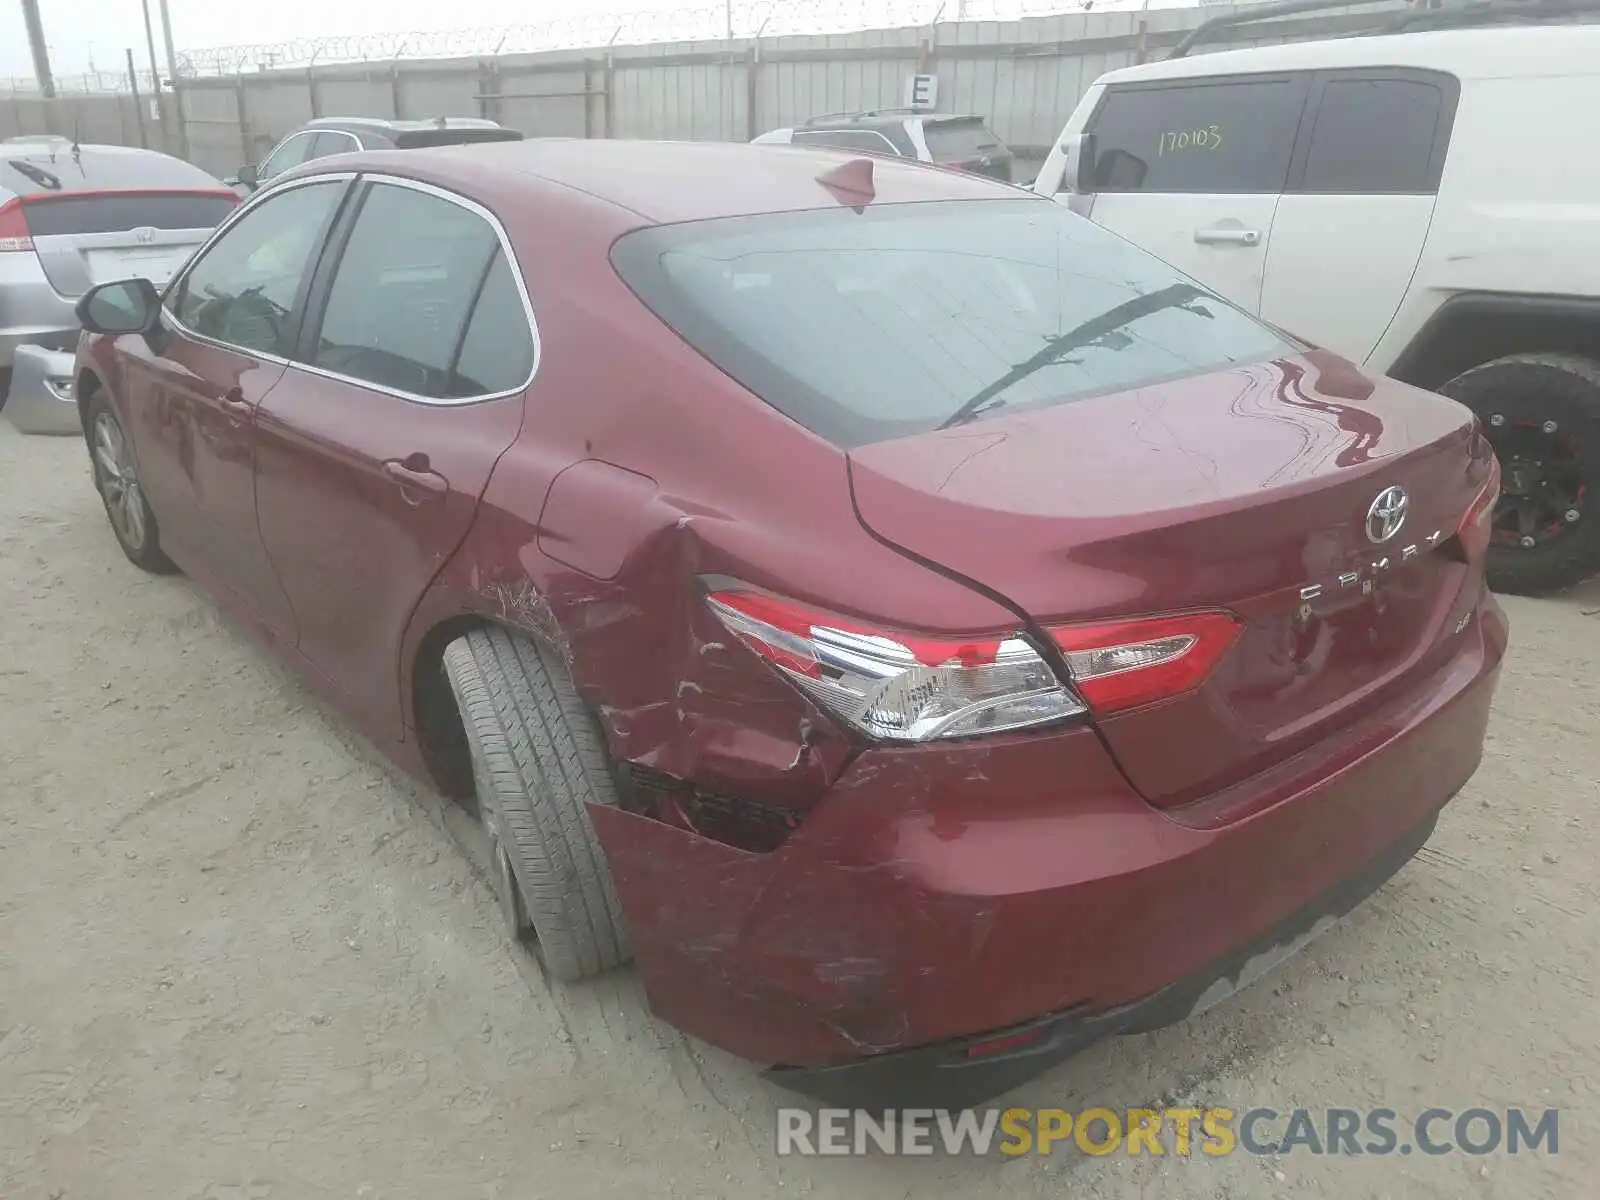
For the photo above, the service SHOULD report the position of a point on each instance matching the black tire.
(1526, 392)
(5, 386)
(538, 760)
(140, 541)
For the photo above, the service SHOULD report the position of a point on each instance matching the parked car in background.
(923, 661)
(72, 216)
(964, 142)
(345, 135)
(1410, 201)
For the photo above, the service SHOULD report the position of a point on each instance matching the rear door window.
(845, 139)
(404, 309)
(1376, 136)
(290, 153)
(1203, 138)
(333, 141)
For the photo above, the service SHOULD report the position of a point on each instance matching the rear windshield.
(415, 139)
(40, 167)
(956, 141)
(59, 215)
(908, 317)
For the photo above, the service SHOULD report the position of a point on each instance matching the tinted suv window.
(1199, 138)
(332, 141)
(845, 139)
(910, 316)
(404, 289)
(290, 153)
(1374, 136)
(956, 141)
(242, 290)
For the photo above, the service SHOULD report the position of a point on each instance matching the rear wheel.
(1541, 412)
(116, 478)
(538, 761)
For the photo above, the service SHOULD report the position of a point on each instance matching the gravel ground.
(242, 957)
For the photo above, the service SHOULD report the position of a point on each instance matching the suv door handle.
(417, 480)
(1221, 235)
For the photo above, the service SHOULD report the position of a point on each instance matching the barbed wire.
(80, 83)
(743, 19)
(746, 19)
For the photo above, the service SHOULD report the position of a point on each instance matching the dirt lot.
(242, 957)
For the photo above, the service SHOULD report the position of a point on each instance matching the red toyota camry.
(923, 630)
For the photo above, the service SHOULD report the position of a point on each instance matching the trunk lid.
(83, 239)
(1247, 490)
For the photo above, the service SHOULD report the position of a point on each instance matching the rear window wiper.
(37, 174)
(1179, 295)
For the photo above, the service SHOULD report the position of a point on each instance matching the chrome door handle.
(235, 405)
(417, 482)
(1218, 236)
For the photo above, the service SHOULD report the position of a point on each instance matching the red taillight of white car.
(14, 232)
(899, 687)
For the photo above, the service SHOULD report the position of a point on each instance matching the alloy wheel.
(119, 482)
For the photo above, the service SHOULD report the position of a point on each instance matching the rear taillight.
(14, 233)
(900, 687)
(1117, 665)
(894, 686)
(1477, 527)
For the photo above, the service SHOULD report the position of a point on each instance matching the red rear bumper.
(941, 892)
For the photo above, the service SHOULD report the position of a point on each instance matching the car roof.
(664, 182)
(29, 165)
(881, 118)
(1498, 52)
(385, 125)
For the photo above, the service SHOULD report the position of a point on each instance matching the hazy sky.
(78, 30)
(81, 32)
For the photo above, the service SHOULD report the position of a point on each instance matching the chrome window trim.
(271, 154)
(344, 133)
(493, 221)
(170, 319)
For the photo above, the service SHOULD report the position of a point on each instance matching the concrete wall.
(1026, 76)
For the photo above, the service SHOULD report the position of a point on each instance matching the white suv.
(1425, 203)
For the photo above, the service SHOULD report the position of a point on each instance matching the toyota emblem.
(1387, 514)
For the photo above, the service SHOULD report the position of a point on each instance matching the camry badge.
(1387, 514)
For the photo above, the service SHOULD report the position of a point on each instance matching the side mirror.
(125, 306)
(249, 176)
(1077, 169)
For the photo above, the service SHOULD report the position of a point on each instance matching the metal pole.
(172, 69)
(138, 104)
(41, 55)
(162, 115)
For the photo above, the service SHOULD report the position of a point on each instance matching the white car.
(1424, 203)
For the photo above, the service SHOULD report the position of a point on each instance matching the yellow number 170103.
(1207, 138)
